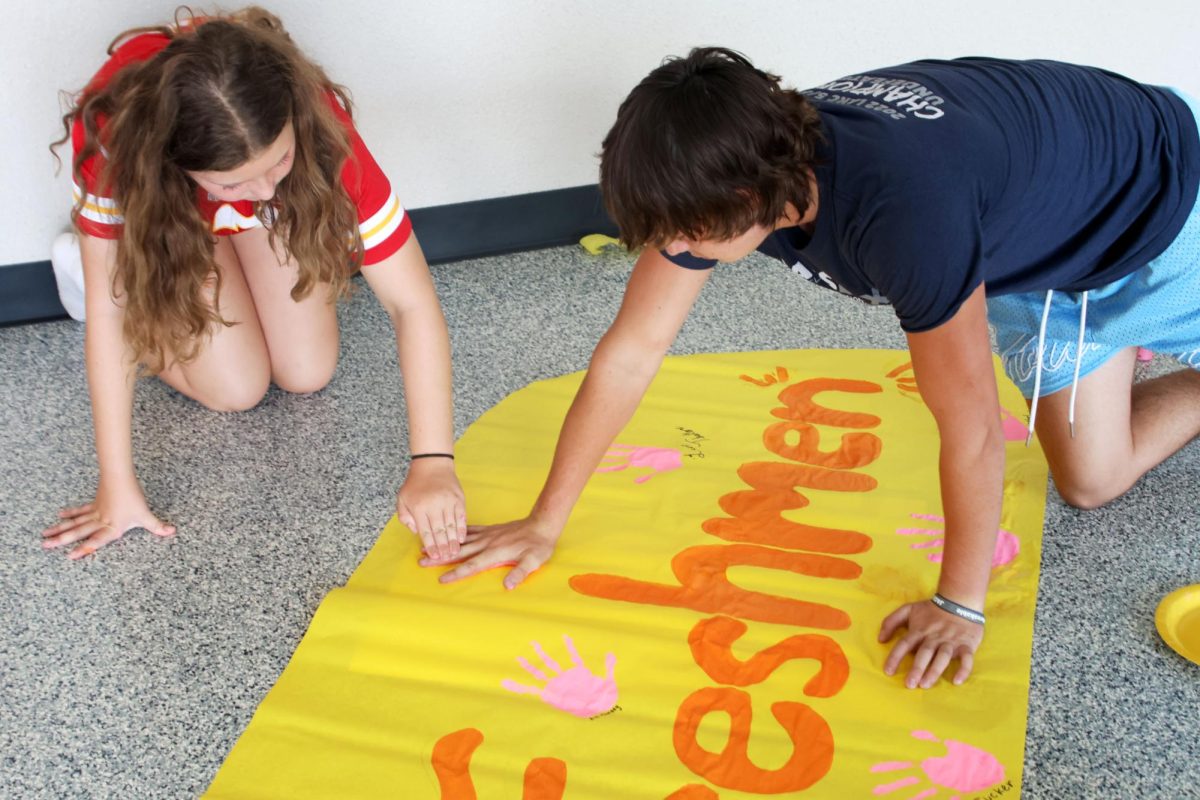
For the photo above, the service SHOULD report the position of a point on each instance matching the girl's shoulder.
(134, 48)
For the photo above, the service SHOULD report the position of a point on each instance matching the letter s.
(712, 641)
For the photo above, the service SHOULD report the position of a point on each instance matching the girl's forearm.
(111, 376)
(423, 348)
(111, 368)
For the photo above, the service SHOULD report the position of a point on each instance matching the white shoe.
(67, 261)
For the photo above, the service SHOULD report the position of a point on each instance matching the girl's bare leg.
(301, 337)
(232, 370)
(294, 344)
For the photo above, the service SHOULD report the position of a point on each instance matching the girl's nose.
(263, 190)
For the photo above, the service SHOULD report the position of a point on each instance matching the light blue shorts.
(1156, 307)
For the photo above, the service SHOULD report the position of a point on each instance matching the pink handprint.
(1014, 429)
(576, 691)
(964, 768)
(1007, 543)
(657, 459)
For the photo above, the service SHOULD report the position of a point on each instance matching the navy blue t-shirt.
(1025, 175)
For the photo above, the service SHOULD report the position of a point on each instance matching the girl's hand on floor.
(103, 520)
(524, 544)
(934, 638)
(432, 505)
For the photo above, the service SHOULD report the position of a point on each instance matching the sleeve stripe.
(103, 210)
(382, 224)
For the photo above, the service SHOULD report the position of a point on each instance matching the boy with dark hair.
(1055, 201)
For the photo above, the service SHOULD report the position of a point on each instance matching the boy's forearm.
(611, 391)
(972, 483)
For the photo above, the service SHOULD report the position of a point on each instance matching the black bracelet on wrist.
(951, 607)
(415, 456)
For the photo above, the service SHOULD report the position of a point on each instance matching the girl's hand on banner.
(432, 505)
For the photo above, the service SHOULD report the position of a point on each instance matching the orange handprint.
(577, 690)
(906, 381)
(963, 768)
(623, 456)
(780, 375)
(1007, 543)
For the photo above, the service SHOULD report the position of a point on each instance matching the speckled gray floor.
(131, 674)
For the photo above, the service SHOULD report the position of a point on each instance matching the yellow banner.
(707, 627)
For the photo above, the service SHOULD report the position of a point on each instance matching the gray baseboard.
(28, 294)
(448, 233)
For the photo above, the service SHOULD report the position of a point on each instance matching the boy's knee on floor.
(1089, 492)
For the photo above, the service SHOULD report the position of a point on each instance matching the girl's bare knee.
(239, 394)
(311, 378)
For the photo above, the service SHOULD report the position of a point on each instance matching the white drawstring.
(1078, 363)
(1037, 372)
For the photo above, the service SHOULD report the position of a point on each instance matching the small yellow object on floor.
(595, 243)
(1178, 621)
(707, 627)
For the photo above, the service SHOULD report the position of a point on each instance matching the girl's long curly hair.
(215, 97)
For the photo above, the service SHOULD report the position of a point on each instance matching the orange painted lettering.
(799, 404)
(812, 743)
(452, 763)
(712, 642)
(857, 449)
(781, 532)
(545, 778)
(772, 487)
(705, 586)
(762, 537)
(757, 512)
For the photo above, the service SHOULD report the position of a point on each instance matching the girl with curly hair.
(223, 200)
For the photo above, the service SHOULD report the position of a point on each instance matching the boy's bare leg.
(1122, 429)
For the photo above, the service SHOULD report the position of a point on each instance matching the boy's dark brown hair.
(706, 147)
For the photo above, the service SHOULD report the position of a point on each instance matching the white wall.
(471, 99)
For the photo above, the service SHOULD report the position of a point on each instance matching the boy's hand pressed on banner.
(525, 544)
(934, 638)
(432, 505)
(104, 520)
